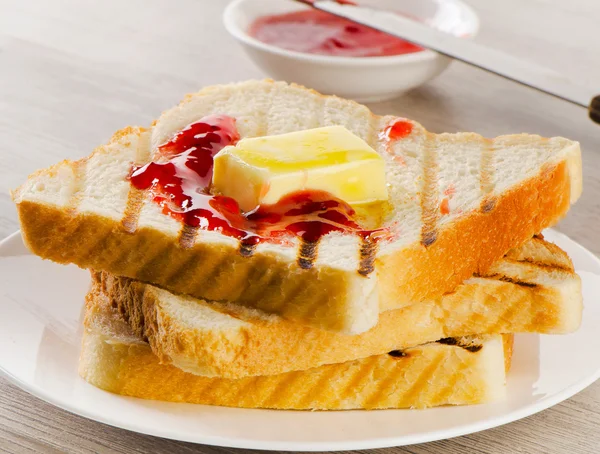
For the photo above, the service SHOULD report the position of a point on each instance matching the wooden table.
(74, 71)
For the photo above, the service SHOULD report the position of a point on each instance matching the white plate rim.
(383, 442)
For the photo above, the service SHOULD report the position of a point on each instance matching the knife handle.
(594, 109)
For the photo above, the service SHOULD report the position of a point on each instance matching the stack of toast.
(411, 305)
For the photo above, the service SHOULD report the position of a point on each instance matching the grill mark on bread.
(247, 248)
(264, 279)
(242, 395)
(204, 387)
(542, 254)
(288, 381)
(316, 307)
(424, 376)
(429, 198)
(534, 320)
(125, 261)
(96, 247)
(79, 168)
(89, 244)
(263, 122)
(120, 258)
(307, 254)
(230, 279)
(187, 236)
(206, 272)
(320, 113)
(316, 387)
(488, 204)
(544, 265)
(234, 277)
(512, 280)
(398, 354)
(374, 138)
(133, 208)
(135, 196)
(368, 252)
(215, 275)
(469, 346)
(295, 296)
(360, 375)
(384, 387)
(450, 383)
(159, 257)
(505, 319)
(476, 322)
(486, 177)
(283, 295)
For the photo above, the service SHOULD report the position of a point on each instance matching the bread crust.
(423, 376)
(326, 297)
(472, 244)
(519, 296)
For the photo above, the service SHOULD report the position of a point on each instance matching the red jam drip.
(317, 32)
(445, 206)
(180, 183)
(395, 131)
(450, 191)
(398, 130)
(180, 179)
(307, 214)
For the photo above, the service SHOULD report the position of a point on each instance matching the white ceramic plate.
(41, 305)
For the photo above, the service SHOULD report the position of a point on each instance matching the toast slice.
(457, 203)
(468, 370)
(521, 294)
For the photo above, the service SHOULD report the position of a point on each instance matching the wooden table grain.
(74, 71)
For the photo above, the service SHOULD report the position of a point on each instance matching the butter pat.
(260, 171)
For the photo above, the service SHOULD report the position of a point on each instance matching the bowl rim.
(426, 55)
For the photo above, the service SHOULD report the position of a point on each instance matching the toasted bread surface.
(497, 193)
(458, 371)
(216, 339)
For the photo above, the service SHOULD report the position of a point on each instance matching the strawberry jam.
(180, 178)
(318, 32)
(307, 214)
(398, 130)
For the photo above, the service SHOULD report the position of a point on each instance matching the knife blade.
(467, 51)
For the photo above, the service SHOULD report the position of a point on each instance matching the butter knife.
(467, 51)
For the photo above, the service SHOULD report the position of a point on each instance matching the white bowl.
(365, 79)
